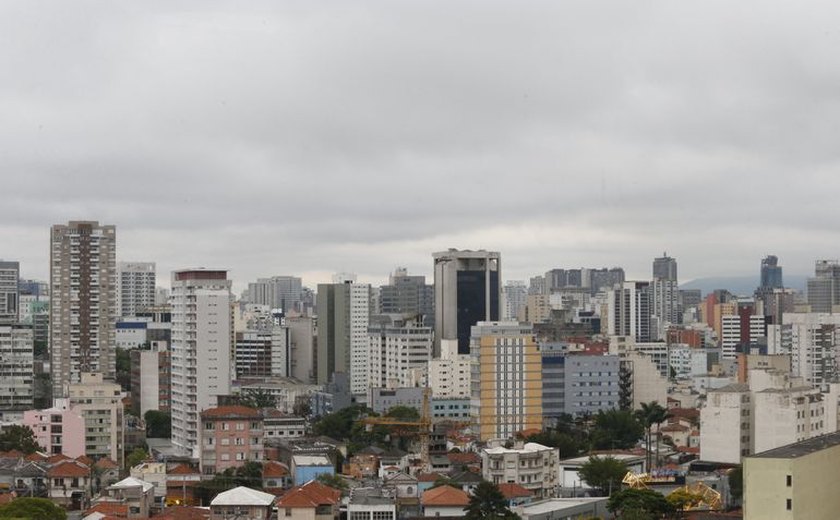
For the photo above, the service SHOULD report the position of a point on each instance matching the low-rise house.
(180, 483)
(532, 465)
(279, 425)
(308, 467)
(275, 476)
(467, 480)
(362, 465)
(242, 502)
(105, 473)
(60, 429)
(564, 508)
(371, 504)
(24, 477)
(69, 484)
(404, 486)
(102, 510)
(311, 501)
(138, 495)
(425, 481)
(445, 501)
(515, 494)
(154, 473)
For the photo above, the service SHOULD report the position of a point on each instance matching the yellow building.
(507, 379)
(797, 481)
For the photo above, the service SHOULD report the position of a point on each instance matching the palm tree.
(651, 414)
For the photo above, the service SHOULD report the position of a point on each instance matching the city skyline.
(306, 139)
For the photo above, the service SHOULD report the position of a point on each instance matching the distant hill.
(740, 285)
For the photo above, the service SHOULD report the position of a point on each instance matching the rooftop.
(230, 412)
(243, 496)
(800, 449)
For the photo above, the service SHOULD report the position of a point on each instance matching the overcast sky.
(311, 137)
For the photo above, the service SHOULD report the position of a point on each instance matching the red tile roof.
(428, 477)
(58, 457)
(274, 469)
(464, 458)
(84, 459)
(12, 454)
(183, 513)
(106, 463)
(230, 411)
(68, 468)
(514, 491)
(109, 509)
(5, 498)
(310, 495)
(445, 496)
(36, 457)
(182, 469)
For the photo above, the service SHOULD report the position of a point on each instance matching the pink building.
(230, 436)
(60, 429)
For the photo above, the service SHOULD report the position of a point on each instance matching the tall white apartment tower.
(82, 302)
(135, 287)
(9, 292)
(200, 350)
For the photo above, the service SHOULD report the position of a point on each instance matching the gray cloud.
(304, 137)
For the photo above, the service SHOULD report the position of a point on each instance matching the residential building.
(629, 311)
(467, 290)
(444, 501)
(793, 481)
(311, 501)
(396, 346)
(506, 387)
(278, 292)
(230, 436)
(151, 379)
(302, 347)
(449, 374)
(591, 383)
(308, 467)
(371, 504)
(343, 319)
(537, 309)
(242, 502)
(82, 302)
(263, 352)
(17, 344)
(824, 287)
(9, 292)
(279, 425)
(135, 287)
(533, 466)
(60, 429)
(100, 403)
(286, 392)
(740, 332)
(200, 350)
(408, 295)
(812, 340)
(380, 400)
(69, 483)
(155, 474)
(514, 296)
(553, 356)
(726, 424)
(138, 496)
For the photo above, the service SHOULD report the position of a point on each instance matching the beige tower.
(82, 302)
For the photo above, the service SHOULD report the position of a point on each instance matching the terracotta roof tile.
(109, 509)
(84, 459)
(58, 457)
(445, 496)
(36, 457)
(69, 468)
(464, 458)
(183, 513)
(513, 491)
(428, 477)
(274, 469)
(182, 469)
(106, 463)
(231, 411)
(310, 495)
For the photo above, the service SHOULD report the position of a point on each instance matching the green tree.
(736, 482)
(404, 413)
(158, 424)
(639, 504)
(32, 509)
(136, 457)
(615, 429)
(346, 424)
(333, 481)
(123, 368)
(445, 481)
(651, 414)
(603, 473)
(20, 438)
(569, 444)
(487, 502)
(682, 499)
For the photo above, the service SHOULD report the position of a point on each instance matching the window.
(789, 480)
(789, 504)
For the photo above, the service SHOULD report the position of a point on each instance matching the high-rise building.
(100, 402)
(515, 296)
(506, 379)
(467, 290)
(83, 306)
(151, 375)
(278, 292)
(406, 294)
(201, 348)
(771, 273)
(665, 268)
(9, 292)
(16, 367)
(630, 310)
(343, 316)
(135, 287)
(824, 287)
(812, 340)
(396, 347)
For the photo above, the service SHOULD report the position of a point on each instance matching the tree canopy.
(20, 438)
(32, 509)
(487, 502)
(136, 457)
(333, 481)
(603, 473)
(615, 429)
(158, 424)
(257, 398)
(639, 504)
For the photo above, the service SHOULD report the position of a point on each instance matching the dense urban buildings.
(824, 287)
(135, 287)
(278, 292)
(409, 295)
(201, 349)
(9, 292)
(467, 290)
(82, 302)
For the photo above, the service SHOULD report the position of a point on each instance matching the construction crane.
(423, 425)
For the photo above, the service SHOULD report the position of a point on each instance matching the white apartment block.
(514, 296)
(359, 349)
(449, 376)
(811, 339)
(395, 351)
(774, 410)
(731, 333)
(9, 292)
(100, 404)
(201, 349)
(82, 302)
(135, 287)
(16, 368)
(533, 466)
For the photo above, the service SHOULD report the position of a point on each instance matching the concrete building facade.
(9, 292)
(343, 311)
(17, 343)
(100, 402)
(135, 287)
(82, 302)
